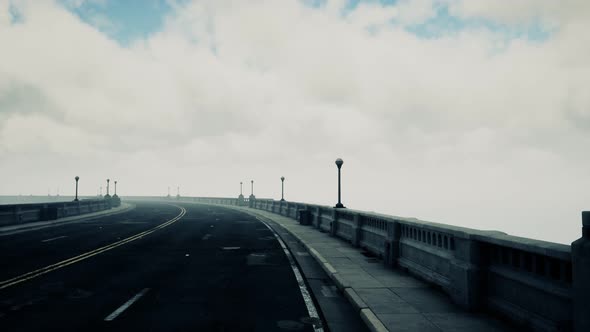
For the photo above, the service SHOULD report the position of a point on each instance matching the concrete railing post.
(392, 245)
(581, 277)
(334, 223)
(466, 273)
(317, 217)
(356, 230)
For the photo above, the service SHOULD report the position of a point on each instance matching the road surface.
(159, 267)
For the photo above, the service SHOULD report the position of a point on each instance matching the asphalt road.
(159, 267)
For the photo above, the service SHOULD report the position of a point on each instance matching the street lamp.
(108, 186)
(115, 195)
(339, 163)
(252, 188)
(77, 178)
(282, 188)
(241, 189)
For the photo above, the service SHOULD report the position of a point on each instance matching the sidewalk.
(13, 229)
(387, 299)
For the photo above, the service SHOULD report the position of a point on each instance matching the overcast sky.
(472, 113)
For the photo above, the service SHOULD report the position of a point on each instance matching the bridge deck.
(397, 300)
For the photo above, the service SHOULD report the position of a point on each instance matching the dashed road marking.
(55, 238)
(126, 305)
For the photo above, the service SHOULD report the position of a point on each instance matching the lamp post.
(241, 189)
(282, 188)
(77, 178)
(115, 195)
(108, 186)
(339, 163)
(251, 187)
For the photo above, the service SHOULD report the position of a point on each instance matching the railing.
(25, 213)
(528, 281)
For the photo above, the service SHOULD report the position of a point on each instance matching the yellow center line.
(81, 257)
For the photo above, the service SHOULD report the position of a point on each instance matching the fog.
(471, 113)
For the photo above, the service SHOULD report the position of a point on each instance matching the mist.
(483, 123)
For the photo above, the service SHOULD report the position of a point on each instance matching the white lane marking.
(55, 238)
(311, 309)
(230, 248)
(126, 305)
(206, 237)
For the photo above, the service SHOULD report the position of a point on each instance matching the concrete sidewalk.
(13, 229)
(387, 299)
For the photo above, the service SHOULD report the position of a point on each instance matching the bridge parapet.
(529, 281)
(25, 213)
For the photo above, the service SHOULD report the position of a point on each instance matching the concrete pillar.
(318, 217)
(392, 244)
(466, 273)
(581, 277)
(356, 230)
(334, 223)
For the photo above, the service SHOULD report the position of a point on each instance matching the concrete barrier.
(530, 282)
(26, 213)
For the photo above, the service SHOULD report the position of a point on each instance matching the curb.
(31, 227)
(367, 315)
(355, 299)
(372, 321)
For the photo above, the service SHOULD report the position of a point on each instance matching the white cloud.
(449, 129)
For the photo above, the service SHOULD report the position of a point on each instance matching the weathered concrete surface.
(398, 301)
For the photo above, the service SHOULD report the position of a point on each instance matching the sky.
(467, 112)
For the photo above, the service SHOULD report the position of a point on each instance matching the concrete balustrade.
(541, 285)
(25, 213)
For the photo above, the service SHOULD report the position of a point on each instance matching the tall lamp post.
(108, 186)
(241, 189)
(77, 178)
(115, 195)
(251, 187)
(339, 163)
(282, 188)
